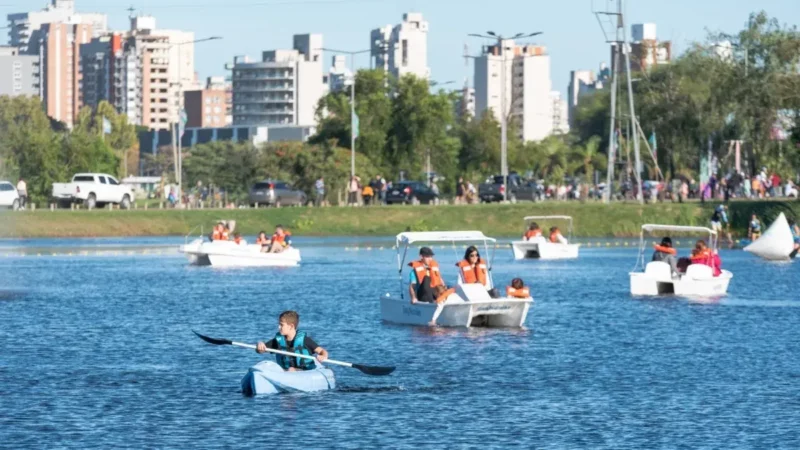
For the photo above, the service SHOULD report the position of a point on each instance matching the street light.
(352, 103)
(178, 151)
(503, 116)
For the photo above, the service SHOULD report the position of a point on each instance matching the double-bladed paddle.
(369, 370)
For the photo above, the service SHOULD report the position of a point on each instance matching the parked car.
(276, 193)
(9, 197)
(93, 190)
(410, 192)
(518, 189)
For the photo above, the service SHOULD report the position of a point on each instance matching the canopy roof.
(677, 228)
(409, 238)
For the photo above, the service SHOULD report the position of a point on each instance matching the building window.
(405, 52)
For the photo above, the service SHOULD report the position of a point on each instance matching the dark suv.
(410, 192)
(276, 193)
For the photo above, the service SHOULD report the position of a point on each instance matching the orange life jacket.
(281, 239)
(668, 250)
(532, 234)
(518, 293)
(422, 272)
(443, 296)
(216, 235)
(224, 235)
(478, 274)
(554, 237)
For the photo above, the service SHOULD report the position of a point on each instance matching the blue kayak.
(267, 377)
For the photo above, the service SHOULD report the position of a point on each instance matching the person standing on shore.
(22, 190)
(319, 185)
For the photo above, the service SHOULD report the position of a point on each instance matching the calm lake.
(96, 351)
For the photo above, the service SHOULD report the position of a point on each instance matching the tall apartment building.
(142, 72)
(59, 60)
(19, 74)
(402, 49)
(339, 74)
(560, 120)
(24, 28)
(205, 108)
(284, 88)
(219, 83)
(527, 87)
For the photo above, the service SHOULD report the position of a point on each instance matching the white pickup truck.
(93, 190)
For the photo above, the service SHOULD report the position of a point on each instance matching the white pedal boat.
(656, 277)
(541, 248)
(471, 304)
(230, 254)
(267, 377)
(776, 244)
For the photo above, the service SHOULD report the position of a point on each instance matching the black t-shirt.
(307, 343)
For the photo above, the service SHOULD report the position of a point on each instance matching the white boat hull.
(698, 281)
(776, 244)
(229, 254)
(544, 250)
(457, 312)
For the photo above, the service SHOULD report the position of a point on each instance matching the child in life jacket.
(518, 289)
(290, 339)
(425, 282)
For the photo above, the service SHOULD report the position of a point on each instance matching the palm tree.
(587, 158)
(549, 155)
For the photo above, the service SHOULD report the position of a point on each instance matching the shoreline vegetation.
(592, 219)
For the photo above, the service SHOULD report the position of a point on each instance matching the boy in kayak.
(289, 339)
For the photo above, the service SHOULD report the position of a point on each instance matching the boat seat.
(658, 270)
(472, 292)
(699, 272)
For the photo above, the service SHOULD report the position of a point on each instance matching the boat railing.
(191, 232)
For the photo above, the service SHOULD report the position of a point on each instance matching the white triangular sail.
(776, 244)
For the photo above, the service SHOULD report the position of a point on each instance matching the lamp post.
(503, 114)
(178, 151)
(352, 103)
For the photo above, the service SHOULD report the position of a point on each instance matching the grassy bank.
(591, 219)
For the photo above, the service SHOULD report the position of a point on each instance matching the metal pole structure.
(611, 135)
(352, 102)
(503, 114)
(635, 133)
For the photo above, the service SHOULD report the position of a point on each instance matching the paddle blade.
(374, 370)
(212, 340)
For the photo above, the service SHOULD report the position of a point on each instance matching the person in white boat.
(754, 229)
(263, 241)
(281, 240)
(474, 269)
(518, 289)
(220, 232)
(237, 239)
(290, 339)
(701, 254)
(425, 282)
(556, 237)
(664, 252)
(534, 232)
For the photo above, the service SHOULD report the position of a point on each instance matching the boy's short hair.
(290, 317)
(517, 283)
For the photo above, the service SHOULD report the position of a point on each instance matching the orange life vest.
(532, 234)
(422, 272)
(216, 235)
(478, 274)
(443, 296)
(554, 237)
(224, 235)
(518, 293)
(668, 250)
(281, 239)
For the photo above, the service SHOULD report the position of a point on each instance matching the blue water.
(96, 351)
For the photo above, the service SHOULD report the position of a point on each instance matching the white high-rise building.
(284, 88)
(527, 87)
(560, 122)
(402, 49)
(339, 74)
(24, 28)
(580, 82)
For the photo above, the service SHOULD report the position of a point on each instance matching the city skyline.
(570, 32)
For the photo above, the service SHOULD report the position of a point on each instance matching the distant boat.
(776, 244)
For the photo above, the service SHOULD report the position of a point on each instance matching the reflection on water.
(97, 352)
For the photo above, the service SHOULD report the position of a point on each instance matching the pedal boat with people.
(220, 253)
(541, 248)
(471, 304)
(655, 278)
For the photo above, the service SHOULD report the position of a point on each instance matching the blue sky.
(571, 32)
